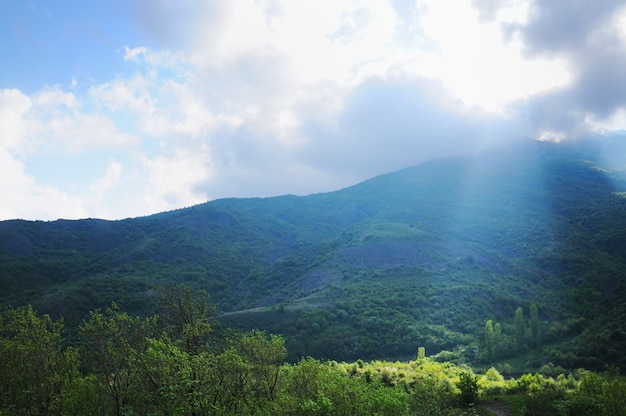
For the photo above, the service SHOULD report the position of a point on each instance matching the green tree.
(490, 340)
(266, 356)
(543, 395)
(468, 384)
(231, 385)
(614, 395)
(421, 353)
(316, 388)
(88, 397)
(534, 324)
(431, 396)
(36, 374)
(114, 342)
(175, 382)
(188, 316)
(497, 337)
(520, 328)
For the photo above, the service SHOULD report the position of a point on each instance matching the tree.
(266, 355)
(114, 341)
(175, 382)
(187, 315)
(230, 382)
(490, 340)
(421, 353)
(36, 374)
(534, 324)
(497, 337)
(520, 328)
(468, 384)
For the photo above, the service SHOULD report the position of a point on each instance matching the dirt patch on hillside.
(497, 408)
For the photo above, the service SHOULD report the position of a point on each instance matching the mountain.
(419, 257)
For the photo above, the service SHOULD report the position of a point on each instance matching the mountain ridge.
(421, 256)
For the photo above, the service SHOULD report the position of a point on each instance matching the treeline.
(178, 363)
(493, 335)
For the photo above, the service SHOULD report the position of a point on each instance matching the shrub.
(468, 384)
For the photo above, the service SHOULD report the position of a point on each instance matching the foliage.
(490, 340)
(492, 383)
(114, 343)
(534, 324)
(468, 384)
(36, 375)
(187, 315)
(520, 328)
(142, 371)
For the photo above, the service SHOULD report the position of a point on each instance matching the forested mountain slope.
(419, 257)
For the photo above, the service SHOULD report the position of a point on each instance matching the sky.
(123, 108)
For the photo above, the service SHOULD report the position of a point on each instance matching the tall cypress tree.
(497, 337)
(520, 328)
(534, 324)
(490, 340)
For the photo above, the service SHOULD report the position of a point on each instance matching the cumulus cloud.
(174, 179)
(488, 9)
(553, 28)
(589, 36)
(24, 197)
(14, 105)
(258, 98)
(474, 59)
(51, 121)
(110, 179)
(28, 199)
(58, 119)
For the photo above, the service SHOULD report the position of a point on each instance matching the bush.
(468, 384)
(543, 395)
(492, 382)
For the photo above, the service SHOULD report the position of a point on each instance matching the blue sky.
(51, 43)
(113, 109)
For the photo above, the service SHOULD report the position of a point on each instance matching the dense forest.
(180, 362)
(513, 259)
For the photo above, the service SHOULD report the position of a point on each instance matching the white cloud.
(109, 180)
(616, 122)
(132, 54)
(56, 100)
(263, 59)
(26, 199)
(333, 41)
(173, 180)
(476, 62)
(14, 105)
(58, 120)
(52, 128)
(23, 196)
(618, 24)
(551, 136)
(103, 194)
(267, 97)
(83, 131)
(131, 94)
(250, 86)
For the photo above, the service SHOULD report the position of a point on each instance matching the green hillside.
(419, 257)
